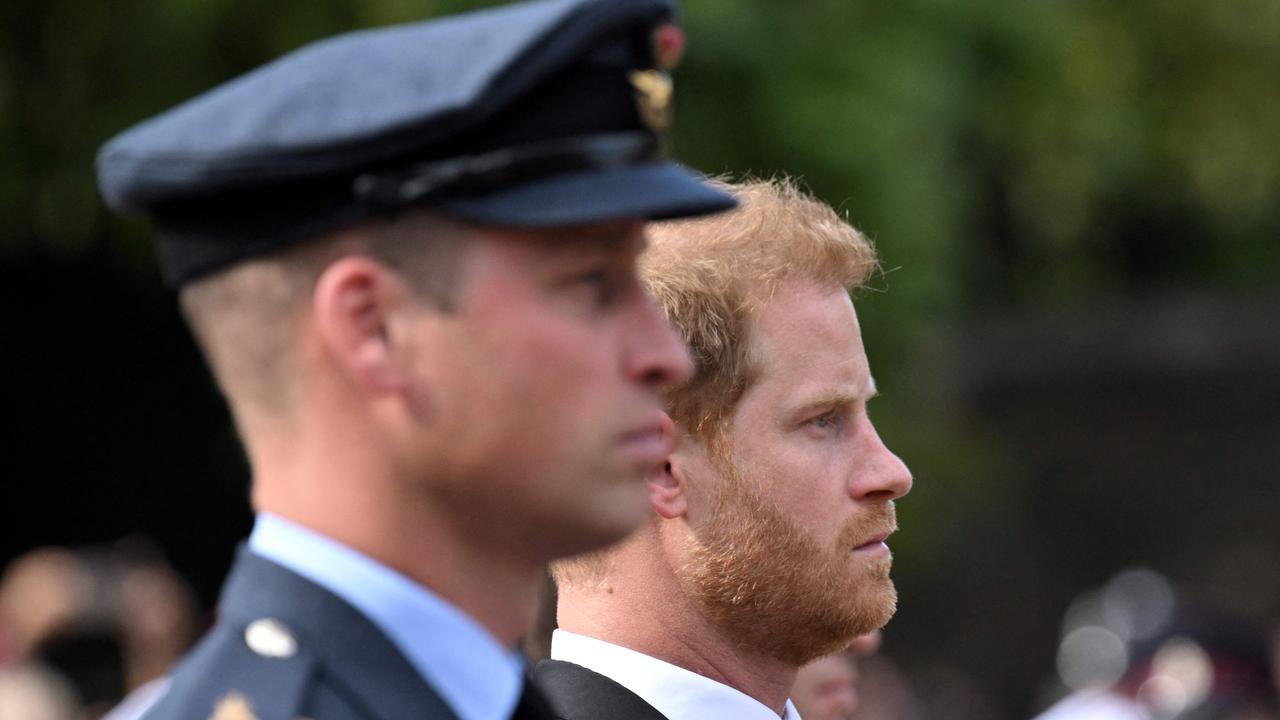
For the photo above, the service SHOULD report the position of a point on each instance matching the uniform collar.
(674, 691)
(476, 675)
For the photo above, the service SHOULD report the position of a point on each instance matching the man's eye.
(599, 283)
(828, 420)
(590, 277)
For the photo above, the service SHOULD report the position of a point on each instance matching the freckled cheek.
(808, 483)
(782, 481)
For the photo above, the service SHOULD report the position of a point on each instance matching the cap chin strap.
(505, 167)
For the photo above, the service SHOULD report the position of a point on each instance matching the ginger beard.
(774, 589)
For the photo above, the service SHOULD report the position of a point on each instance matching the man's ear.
(353, 303)
(666, 483)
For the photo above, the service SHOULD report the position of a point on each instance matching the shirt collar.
(474, 674)
(673, 691)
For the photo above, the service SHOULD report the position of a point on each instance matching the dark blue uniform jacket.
(285, 648)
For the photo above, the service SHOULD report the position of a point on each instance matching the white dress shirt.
(677, 693)
(468, 667)
(1095, 705)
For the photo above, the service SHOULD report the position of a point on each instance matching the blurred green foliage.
(1002, 155)
(984, 143)
(1005, 151)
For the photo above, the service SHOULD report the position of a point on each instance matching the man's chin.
(881, 616)
(879, 606)
(827, 632)
(871, 610)
(609, 524)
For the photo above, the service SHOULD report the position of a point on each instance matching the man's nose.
(882, 475)
(657, 355)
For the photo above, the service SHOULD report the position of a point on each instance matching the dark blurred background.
(1077, 205)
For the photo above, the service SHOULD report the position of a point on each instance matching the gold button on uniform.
(270, 638)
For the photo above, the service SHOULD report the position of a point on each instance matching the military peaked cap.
(534, 115)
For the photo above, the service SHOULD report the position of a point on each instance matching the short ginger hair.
(711, 275)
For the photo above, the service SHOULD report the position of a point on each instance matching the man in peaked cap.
(409, 257)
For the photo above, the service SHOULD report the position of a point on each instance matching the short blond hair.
(245, 317)
(711, 275)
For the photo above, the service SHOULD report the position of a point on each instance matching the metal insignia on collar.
(653, 97)
(233, 706)
(270, 638)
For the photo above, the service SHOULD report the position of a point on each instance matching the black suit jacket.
(577, 693)
(338, 667)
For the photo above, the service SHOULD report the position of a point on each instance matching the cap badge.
(653, 97)
(233, 706)
(668, 46)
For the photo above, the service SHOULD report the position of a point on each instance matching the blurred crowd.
(1135, 649)
(1138, 649)
(81, 628)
